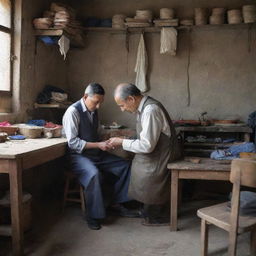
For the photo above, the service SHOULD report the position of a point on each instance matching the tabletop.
(16, 148)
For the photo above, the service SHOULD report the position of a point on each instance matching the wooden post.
(174, 200)
(15, 177)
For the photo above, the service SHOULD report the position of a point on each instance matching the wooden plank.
(174, 200)
(15, 176)
(204, 175)
(4, 166)
(49, 32)
(204, 237)
(36, 158)
(214, 128)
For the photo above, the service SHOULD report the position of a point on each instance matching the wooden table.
(16, 156)
(207, 169)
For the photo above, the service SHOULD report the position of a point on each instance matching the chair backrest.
(244, 172)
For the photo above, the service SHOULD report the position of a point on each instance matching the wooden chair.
(243, 173)
(73, 193)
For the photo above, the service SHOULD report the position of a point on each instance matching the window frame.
(9, 31)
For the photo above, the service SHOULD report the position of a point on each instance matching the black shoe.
(120, 210)
(93, 224)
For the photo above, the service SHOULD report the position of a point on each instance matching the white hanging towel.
(141, 66)
(64, 43)
(168, 41)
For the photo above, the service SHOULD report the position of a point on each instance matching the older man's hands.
(104, 145)
(115, 142)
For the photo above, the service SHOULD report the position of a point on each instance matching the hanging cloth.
(168, 41)
(64, 43)
(141, 66)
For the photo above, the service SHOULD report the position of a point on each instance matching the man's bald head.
(124, 90)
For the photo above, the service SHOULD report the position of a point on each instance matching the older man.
(89, 158)
(154, 148)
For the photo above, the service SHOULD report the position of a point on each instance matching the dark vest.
(88, 127)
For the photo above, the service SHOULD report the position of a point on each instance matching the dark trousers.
(89, 170)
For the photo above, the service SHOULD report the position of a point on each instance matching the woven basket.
(10, 130)
(144, 14)
(235, 16)
(166, 13)
(218, 11)
(31, 132)
(216, 19)
(249, 13)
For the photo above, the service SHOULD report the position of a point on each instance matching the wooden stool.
(75, 194)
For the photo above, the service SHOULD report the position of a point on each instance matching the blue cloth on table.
(37, 122)
(17, 137)
(233, 151)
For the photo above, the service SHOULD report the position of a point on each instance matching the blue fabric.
(233, 151)
(106, 23)
(49, 39)
(89, 170)
(92, 22)
(17, 137)
(39, 122)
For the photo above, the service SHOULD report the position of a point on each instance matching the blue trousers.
(89, 170)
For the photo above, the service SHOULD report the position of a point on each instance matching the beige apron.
(150, 181)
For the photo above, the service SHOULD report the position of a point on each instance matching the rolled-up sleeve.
(71, 120)
(152, 123)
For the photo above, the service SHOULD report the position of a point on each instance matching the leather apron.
(150, 178)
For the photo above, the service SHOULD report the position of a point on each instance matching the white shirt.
(153, 122)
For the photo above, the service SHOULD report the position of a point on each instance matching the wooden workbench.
(16, 156)
(207, 169)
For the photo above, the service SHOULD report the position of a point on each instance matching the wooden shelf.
(76, 40)
(57, 105)
(154, 29)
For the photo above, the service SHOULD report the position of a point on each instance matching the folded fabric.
(39, 122)
(168, 41)
(5, 123)
(17, 137)
(247, 203)
(233, 151)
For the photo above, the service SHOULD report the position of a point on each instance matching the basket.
(10, 130)
(30, 131)
(3, 136)
(166, 13)
(235, 16)
(53, 132)
(249, 13)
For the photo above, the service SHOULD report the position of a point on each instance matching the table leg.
(15, 177)
(174, 199)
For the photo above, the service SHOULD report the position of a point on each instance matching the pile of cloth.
(233, 151)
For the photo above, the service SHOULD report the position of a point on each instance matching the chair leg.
(65, 193)
(232, 244)
(253, 242)
(82, 198)
(204, 237)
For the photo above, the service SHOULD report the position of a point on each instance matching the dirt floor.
(66, 234)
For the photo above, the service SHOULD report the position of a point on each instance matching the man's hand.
(115, 142)
(104, 145)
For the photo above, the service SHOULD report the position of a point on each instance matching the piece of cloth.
(150, 178)
(89, 165)
(233, 151)
(252, 124)
(247, 203)
(141, 66)
(168, 41)
(5, 123)
(17, 137)
(37, 122)
(64, 44)
(153, 122)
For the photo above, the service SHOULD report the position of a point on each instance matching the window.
(6, 45)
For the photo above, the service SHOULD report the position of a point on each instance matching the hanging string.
(249, 37)
(188, 65)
